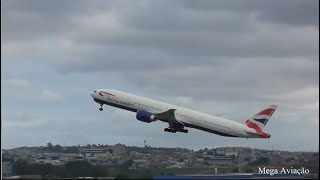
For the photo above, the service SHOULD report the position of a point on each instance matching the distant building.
(220, 151)
(217, 160)
(178, 165)
(200, 159)
(98, 154)
(231, 153)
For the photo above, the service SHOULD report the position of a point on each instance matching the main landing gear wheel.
(185, 131)
(101, 109)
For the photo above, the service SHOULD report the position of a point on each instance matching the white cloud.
(21, 119)
(306, 98)
(304, 94)
(50, 95)
(19, 83)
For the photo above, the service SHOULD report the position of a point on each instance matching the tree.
(126, 164)
(235, 170)
(57, 148)
(72, 150)
(261, 160)
(49, 146)
(55, 158)
(210, 153)
(77, 168)
(84, 168)
(292, 159)
(71, 169)
(122, 175)
(6, 158)
(19, 167)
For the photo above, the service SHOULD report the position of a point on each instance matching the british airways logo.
(102, 93)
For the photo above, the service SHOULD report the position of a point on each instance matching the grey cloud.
(172, 16)
(178, 31)
(21, 119)
(292, 12)
(265, 41)
(236, 80)
(141, 55)
(216, 77)
(58, 8)
(45, 19)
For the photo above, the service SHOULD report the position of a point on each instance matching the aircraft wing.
(169, 116)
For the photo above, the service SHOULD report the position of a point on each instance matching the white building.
(98, 154)
(48, 161)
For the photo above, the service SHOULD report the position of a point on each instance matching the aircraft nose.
(93, 93)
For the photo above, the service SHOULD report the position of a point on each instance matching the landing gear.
(185, 131)
(174, 131)
(170, 130)
(101, 109)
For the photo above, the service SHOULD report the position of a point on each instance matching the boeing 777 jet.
(178, 118)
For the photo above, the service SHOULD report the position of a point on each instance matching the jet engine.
(145, 116)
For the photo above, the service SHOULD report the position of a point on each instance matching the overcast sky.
(228, 58)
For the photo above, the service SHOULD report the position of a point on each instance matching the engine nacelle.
(145, 116)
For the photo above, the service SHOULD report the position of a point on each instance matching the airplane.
(178, 118)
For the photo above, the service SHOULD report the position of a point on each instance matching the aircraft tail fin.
(259, 120)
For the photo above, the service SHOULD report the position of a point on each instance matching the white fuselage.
(189, 118)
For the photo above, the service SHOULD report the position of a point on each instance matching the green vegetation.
(59, 149)
(210, 153)
(82, 168)
(55, 157)
(126, 165)
(260, 161)
(70, 169)
(235, 170)
(7, 159)
(134, 174)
